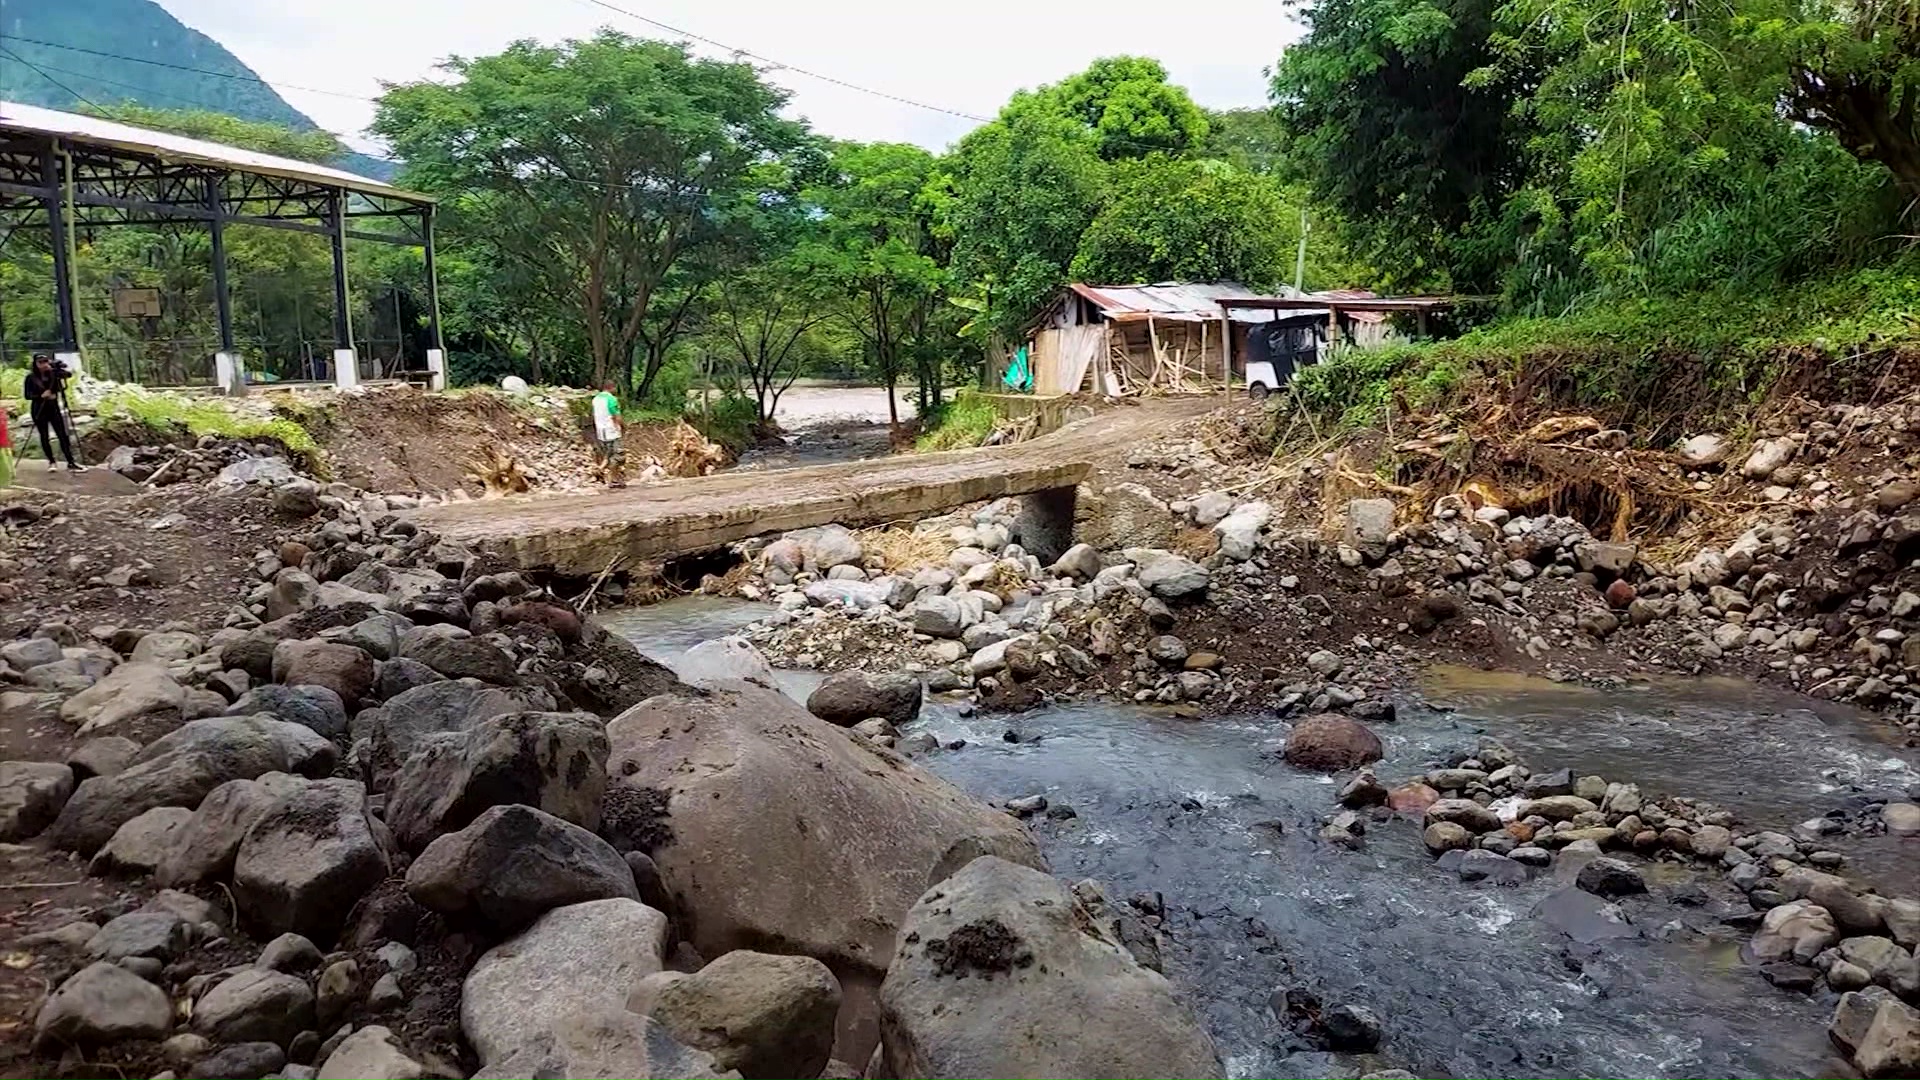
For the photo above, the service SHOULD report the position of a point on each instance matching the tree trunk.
(1869, 117)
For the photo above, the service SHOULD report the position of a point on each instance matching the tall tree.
(1130, 107)
(1394, 137)
(877, 245)
(609, 154)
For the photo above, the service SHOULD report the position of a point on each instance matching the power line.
(249, 77)
(43, 74)
(797, 70)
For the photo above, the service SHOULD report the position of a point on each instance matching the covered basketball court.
(70, 174)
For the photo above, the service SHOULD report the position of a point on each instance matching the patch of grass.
(170, 415)
(13, 382)
(965, 421)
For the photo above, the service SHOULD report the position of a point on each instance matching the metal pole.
(56, 221)
(433, 281)
(1300, 261)
(342, 320)
(222, 302)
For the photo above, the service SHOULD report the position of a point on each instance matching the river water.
(1468, 979)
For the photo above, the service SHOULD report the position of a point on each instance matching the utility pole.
(1300, 261)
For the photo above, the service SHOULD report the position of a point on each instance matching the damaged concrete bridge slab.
(583, 534)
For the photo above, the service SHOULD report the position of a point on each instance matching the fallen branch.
(586, 598)
(162, 470)
(42, 884)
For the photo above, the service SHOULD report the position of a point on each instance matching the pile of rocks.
(210, 456)
(452, 820)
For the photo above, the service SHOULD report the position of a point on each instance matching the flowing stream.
(1468, 979)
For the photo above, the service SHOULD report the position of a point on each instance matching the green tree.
(878, 247)
(1252, 139)
(1393, 137)
(1171, 220)
(1128, 105)
(1024, 188)
(605, 159)
(318, 147)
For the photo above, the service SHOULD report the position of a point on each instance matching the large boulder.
(513, 865)
(849, 697)
(31, 795)
(573, 961)
(759, 1014)
(131, 698)
(347, 670)
(104, 1003)
(306, 861)
(746, 772)
(1890, 1045)
(318, 707)
(204, 848)
(457, 657)
(602, 1042)
(183, 767)
(1331, 743)
(406, 721)
(1002, 972)
(556, 762)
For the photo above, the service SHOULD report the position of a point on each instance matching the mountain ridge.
(66, 54)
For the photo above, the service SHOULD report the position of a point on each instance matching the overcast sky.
(967, 57)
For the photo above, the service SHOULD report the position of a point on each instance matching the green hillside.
(92, 51)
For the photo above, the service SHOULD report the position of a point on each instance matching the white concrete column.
(436, 369)
(346, 369)
(229, 373)
(72, 362)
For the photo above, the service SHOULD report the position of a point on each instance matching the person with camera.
(46, 390)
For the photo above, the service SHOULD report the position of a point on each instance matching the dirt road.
(582, 533)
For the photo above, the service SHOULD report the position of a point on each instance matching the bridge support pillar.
(1045, 523)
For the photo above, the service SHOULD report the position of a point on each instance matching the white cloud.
(967, 57)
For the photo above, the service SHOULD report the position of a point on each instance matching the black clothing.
(48, 417)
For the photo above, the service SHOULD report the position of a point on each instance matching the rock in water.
(31, 795)
(573, 961)
(1002, 972)
(849, 697)
(307, 860)
(556, 762)
(514, 864)
(1331, 743)
(1798, 931)
(758, 1014)
(182, 767)
(762, 770)
(1611, 878)
(605, 1042)
(724, 660)
(104, 1003)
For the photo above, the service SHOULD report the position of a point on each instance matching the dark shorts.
(608, 450)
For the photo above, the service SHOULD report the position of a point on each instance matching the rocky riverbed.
(1186, 797)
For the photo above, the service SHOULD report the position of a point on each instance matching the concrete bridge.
(652, 523)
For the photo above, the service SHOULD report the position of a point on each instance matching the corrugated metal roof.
(1178, 301)
(1354, 294)
(92, 129)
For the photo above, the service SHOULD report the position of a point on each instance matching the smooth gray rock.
(104, 1003)
(161, 935)
(514, 864)
(31, 795)
(203, 848)
(848, 697)
(573, 961)
(407, 721)
(306, 861)
(139, 846)
(372, 1053)
(182, 767)
(255, 1005)
(556, 762)
(604, 1042)
(317, 707)
(759, 1014)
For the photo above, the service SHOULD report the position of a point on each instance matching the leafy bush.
(13, 382)
(965, 421)
(730, 421)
